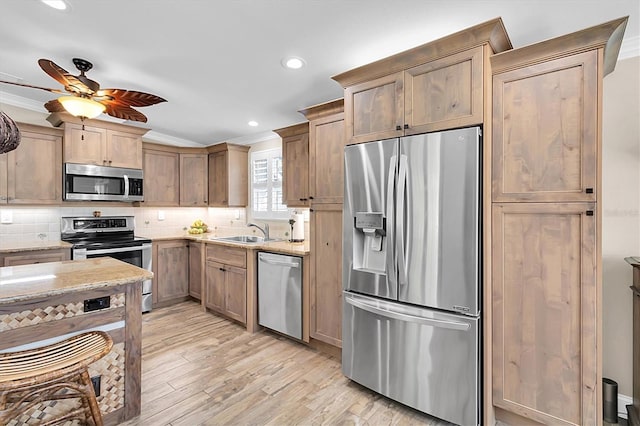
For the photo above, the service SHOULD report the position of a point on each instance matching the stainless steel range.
(111, 236)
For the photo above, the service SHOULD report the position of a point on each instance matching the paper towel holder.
(292, 221)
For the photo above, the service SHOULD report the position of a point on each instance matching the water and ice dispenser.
(369, 242)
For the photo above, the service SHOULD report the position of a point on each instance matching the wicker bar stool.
(53, 372)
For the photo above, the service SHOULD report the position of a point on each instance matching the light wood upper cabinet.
(545, 131)
(32, 173)
(545, 315)
(228, 175)
(295, 164)
(326, 152)
(441, 94)
(162, 177)
(445, 93)
(374, 109)
(170, 270)
(194, 178)
(101, 143)
(436, 86)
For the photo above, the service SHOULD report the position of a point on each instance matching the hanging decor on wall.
(9, 134)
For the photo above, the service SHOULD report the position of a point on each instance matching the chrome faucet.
(264, 230)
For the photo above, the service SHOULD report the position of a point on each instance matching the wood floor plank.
(200, 369)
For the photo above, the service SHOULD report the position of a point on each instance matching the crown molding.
(629, 48)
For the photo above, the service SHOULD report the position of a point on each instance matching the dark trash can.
(609, 400)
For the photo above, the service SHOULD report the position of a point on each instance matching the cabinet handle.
(589, 190)
(109, 162)
(589, 213)
(406, 126)
(398, 127)
(222, 269)
(311, 210)
(311, 197)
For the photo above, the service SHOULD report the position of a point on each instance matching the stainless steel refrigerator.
(411, 271)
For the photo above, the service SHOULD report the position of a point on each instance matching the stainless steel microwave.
(86, 182)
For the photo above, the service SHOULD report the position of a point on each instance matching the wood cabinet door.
(34, 170)
(545, 131)
(445, 93)
(374, 110)
(172, 270)
(161, 170)
(326, 274)
(236, 293)
(545, 311)
(194, 178)
(196, 269)
(214, 293)
(85, 145)
(295, 176)
(326, 166)
(124, 150)
(218, 179)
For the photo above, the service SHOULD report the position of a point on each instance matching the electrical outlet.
(95, 381)
(160, 214)
(6, 216)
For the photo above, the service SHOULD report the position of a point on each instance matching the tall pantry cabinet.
(546, 227)
(326, 187)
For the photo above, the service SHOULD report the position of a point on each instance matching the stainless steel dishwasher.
(280, 293)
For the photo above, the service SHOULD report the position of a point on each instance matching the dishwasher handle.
(278, 262)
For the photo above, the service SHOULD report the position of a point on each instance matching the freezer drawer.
(280, 293)
(422, 358)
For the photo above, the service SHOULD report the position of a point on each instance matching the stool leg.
(91, 399)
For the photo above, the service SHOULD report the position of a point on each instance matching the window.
(266, 185)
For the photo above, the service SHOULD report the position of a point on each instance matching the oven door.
(139, 256)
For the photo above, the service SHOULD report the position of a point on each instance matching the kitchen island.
(46, 302)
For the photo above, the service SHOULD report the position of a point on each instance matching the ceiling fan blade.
(54, 106)
(129, 97)
(62, 76)
(124, 112)
(32, 87)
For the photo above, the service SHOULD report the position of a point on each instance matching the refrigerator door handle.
(400, 202)
(391, 268)
(389, 312)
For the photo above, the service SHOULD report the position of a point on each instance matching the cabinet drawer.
(228, 255)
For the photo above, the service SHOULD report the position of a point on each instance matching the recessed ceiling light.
(252, 123)
(293, 62)
(56, 4)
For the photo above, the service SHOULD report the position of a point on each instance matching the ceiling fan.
(85, 99)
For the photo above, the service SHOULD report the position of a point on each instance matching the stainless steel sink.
(246, 239)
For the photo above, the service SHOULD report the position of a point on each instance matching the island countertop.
(20, 283)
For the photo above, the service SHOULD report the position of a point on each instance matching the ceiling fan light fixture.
(56, 4)
(81, 107)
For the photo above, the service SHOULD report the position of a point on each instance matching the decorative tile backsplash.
(43, 223)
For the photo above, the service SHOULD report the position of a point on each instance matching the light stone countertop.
(32, 245)
(20, 283)
(283, 246)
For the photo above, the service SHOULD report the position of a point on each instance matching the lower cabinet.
(196, 252)
(170, 270)
(32, 257)
(545, 311)
(326, 274)
(226, 281)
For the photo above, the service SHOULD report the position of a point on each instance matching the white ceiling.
(217, 62)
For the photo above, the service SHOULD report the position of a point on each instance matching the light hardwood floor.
(200, 369)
